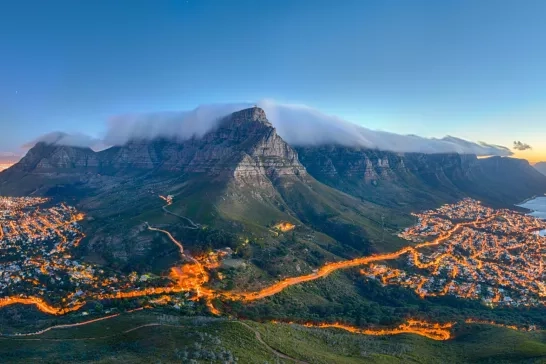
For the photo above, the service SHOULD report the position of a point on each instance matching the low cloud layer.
(297, 124)
(181, 125)
(521, 146)
(71, 140)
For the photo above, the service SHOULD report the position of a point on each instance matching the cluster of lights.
(453, 250)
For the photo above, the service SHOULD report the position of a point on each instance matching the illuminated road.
(433, 331)
(329, 268)
(39, 303)
(493, 323)
(192, 277)
(180, 246)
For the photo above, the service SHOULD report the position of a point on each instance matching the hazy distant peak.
(541, 167)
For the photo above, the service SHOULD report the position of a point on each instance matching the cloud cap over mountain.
(68, 139)
(298, 124)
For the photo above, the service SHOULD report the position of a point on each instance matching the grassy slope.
(181, 339)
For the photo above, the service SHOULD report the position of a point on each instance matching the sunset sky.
(467, 68)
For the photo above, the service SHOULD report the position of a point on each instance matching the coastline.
(530, 211)
(528, 199)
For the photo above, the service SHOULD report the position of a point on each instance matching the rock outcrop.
(246, 149)
(243, 146)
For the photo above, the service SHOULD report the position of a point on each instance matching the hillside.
(414, 181)
(146, 336)
(241, 178)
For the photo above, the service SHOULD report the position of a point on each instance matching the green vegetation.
(239, 212)
(347, 297)
(146, 337)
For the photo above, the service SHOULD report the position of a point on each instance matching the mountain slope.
(240, 178)
(416, 181)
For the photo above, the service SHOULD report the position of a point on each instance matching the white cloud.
(73, 140)
(297, 124)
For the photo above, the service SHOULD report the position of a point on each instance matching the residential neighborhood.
(497, 258)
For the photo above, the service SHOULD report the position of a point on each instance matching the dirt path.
(269, 348)
(176, 242)
(193, 225)
(25, 337)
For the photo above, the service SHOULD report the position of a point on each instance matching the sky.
(467, 68)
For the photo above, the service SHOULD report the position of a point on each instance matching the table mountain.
(239, 177)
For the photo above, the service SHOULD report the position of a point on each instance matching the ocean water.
(537, 206)
(538, 209)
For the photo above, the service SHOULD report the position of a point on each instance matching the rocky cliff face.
(246, 149)
(373, 166)
(244, 145)
(46, 158)
(421, 179)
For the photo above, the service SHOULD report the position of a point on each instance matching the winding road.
(180, 246)
(190, 221)
(197, 284)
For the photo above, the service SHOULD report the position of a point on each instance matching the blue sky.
(474, 69)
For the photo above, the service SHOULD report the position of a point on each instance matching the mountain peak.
(253, 114)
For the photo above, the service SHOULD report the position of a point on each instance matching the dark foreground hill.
(145, 337)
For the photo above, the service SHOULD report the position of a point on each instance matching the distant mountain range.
(242, 176)
(414, 180)
(541, 167)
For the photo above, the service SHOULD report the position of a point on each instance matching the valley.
(494, 256)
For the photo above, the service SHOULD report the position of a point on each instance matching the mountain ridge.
(195, 155)
(244, 144)
(417, 180)
(241, 177)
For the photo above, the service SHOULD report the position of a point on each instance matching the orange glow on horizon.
(4, 166)
(533, 156)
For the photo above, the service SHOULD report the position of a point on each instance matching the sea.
(537, 206)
